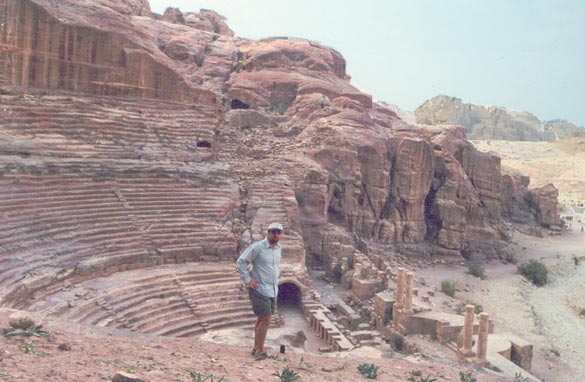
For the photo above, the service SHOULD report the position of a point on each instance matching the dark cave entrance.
(289, 296)
(205, 144)
(237, 104)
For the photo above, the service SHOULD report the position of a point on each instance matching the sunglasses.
(275, 231)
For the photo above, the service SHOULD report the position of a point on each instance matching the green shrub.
(22, 323)
(417, 373)
(414, 374)
(534, 271)
(303, 365)
(475, 268)
(369, 371)
(511, 258)
(287, 375)
(466, 377)
(582, 312)
(337, 272)
(200, 377)
(273, 38)
(27, 347)
(460, 309)
(397, 341)
(26, 327)
(448, 287)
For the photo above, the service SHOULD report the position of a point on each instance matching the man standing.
(262, 282)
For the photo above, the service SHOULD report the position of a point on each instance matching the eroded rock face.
(514, 189)
(107, 51)
(186, 142)
(543, 201)
(490, 122)
(272, 74)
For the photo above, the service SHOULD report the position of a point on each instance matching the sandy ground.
(97, 355)
(546, 316)
(560, 163)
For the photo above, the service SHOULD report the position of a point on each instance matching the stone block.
(363, 289)
(383, 304)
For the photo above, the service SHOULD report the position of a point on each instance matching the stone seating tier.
(108, 127)
(77, 225)
(166, 300)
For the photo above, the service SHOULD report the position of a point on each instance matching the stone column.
(468, 331)
(357, 270)
(484, 325)
(344, 263)
(408, 294)
(400, 289)
(388, 277)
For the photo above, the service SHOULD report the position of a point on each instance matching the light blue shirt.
(265, 266)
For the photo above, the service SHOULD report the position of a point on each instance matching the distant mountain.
(491, 122)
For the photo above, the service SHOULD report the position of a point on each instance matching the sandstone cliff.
(130, 140)
(483, 122)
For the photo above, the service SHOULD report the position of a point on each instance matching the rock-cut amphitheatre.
(140, 153)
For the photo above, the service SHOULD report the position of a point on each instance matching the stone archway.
(289, 295)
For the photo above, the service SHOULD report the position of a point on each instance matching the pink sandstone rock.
(218, 136)
(543, 201)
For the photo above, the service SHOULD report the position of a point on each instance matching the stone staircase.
(167, 301)
(67, 224)
(95, 187)
(108, 128)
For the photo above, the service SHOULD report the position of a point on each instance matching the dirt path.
(541, 315)
(562, 329)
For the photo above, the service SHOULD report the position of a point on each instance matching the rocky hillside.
(131, 140)
(490, 122)
(557, 162)
(139, 153)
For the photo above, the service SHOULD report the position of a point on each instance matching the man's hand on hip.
(253, 284)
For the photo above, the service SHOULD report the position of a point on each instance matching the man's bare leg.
(256, 326)
(260, 332)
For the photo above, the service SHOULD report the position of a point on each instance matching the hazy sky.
(521, 54)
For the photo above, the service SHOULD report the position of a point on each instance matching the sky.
(525, 55)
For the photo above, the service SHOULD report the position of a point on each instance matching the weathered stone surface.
(272, 73)
(217, 21)
(134, 140)
(560, 129)
(491, 122)
(543, 201)
(514, 189)
(460, 197)
(175, 16)
(52, 47)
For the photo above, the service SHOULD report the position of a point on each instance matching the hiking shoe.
(262, 356)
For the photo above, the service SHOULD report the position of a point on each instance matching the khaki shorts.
(261, 305)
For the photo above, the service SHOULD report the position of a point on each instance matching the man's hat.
(275, 226)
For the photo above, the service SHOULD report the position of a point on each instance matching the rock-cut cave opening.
(289, 295)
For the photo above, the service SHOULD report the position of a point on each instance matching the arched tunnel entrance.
(296, 330)
(289, 296)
